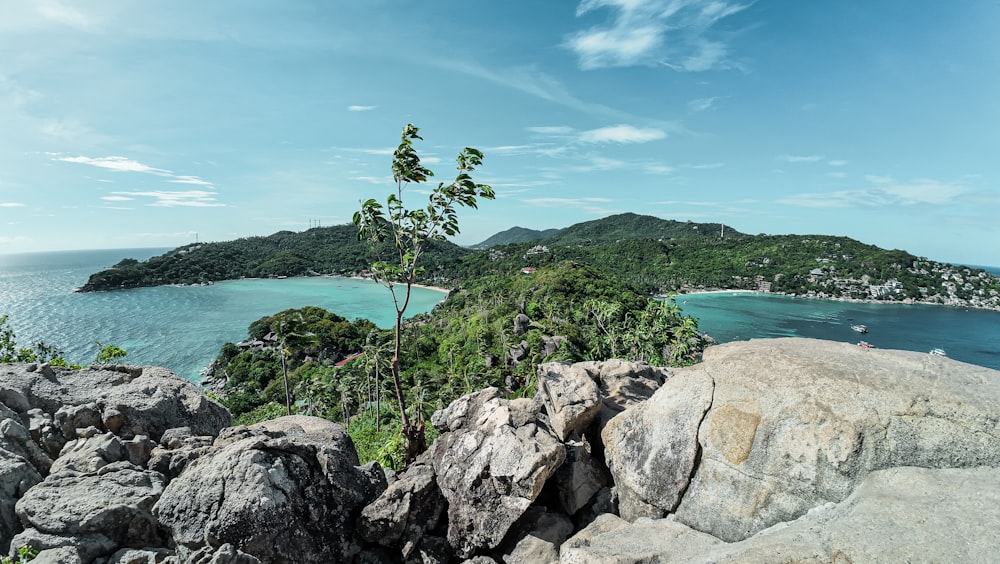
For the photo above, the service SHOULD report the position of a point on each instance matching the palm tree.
(292, 333)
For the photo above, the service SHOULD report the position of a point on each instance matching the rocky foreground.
(783, 450)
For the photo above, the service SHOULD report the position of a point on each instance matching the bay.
(968, 335)
(180, 328)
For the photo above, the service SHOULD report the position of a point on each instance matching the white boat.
(938, 352)
(859, 328)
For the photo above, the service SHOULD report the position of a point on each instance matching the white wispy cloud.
(552, 129)
(592, 206)
(191, 180)
(117, 198)
(12, 205)
(801, 158)
(702, 104)
(597, 164)
(382, 151)
(883, 191)
(621, 134)
(360, 108)
(61, 13)
(165, 199)
(658, 169)
(674, 33)
(837, 163)
(383, 180)
(121, 164)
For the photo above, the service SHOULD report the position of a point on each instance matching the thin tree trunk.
(284, 372)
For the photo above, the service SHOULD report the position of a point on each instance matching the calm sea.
(968, 335)
(181, 328)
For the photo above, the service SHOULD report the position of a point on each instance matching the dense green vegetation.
(322, 250)
(494, 331)
(651, 255)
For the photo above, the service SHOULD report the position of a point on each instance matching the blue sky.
(141, 124)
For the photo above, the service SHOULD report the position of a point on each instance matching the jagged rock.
(225, 554)
(536, 537)
(90, 454)
(491, 464)
(794, 424)
(571, 397)
(61, 555)
(521, 324)
(622, 384)
(580, 477)
(85, 548)
(140, 556)
(14, 400)
(44, 432)
(113, 502)
(136, 401)
(175, 437)
(406, 510)
(519, 352)
(551, 344)
(298, 471)
(651, 447)
(16, 439)
(17, 475)
(69, 418)
(612, 540)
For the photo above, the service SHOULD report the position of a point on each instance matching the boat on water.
(938, 352)
(865, 345)
(859, 328)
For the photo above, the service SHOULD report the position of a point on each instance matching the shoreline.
(837, 299)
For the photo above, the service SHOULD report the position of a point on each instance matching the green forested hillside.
(494, 331)
(322, 250)
(514, 235)
(648, 254)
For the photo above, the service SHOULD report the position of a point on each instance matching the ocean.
(183, 328)
(968, 335)
(180, 328)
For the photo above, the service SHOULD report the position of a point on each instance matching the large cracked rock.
(792, 424)
(112, 504)
(491, 461)
(284, 489)
(896, 515)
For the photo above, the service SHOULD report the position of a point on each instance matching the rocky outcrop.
(763, 431)
(74, 445)
(897, 515)
(491, 461)
(787, 449)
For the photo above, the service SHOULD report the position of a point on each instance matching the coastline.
(838, 299)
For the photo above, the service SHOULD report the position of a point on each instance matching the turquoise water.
(181, 328)
(969, 335)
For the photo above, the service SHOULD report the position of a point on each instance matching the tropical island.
(649, 254)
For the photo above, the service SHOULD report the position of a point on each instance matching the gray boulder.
(491, 463)
(299, 472)
(571, 398)
(536, 537)
(897, 515)
(113, 502)
(17, 475)
(762, 431)
(651, 448)
(406, 510)
(610, 539)
(128, 401)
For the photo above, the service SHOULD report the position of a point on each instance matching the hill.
(515, 235)
(613, 228)
(321, 250)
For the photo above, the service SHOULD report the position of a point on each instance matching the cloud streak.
(621, 134)
(883, 192)
(672, 33)
(165, 199)
(125, 164)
